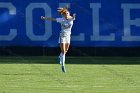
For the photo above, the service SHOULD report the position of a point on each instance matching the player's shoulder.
(71, 18)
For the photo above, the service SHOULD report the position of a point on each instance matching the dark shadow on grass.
(69, 60)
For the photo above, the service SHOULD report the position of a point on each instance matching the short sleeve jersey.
(66, 25)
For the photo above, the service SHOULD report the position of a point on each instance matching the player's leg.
(67, 44)
(67, 47)
(64, 41)
(62, 47)
(61, 54)
(63, 51)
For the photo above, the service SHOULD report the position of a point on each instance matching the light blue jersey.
(66, 25)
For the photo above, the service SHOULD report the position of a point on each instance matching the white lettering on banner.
(29, 23)
(96, 35)
(13, 32)
(128, 22)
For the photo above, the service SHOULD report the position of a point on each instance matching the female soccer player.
(64, 38)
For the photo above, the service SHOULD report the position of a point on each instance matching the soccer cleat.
(59, 59)
(63, 69)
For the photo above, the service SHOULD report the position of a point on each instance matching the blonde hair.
(63, 10)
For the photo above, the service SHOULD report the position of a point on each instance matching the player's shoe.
(59, 60)
(63, 69)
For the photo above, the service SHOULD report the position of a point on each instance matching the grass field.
(41, 75)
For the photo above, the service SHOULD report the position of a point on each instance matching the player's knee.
(64, 52)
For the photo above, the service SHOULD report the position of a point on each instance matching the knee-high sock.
(63, 60)
(60, 54)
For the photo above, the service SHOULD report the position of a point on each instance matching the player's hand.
(74, 14)
(42, 17)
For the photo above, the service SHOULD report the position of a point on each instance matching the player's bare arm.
(48, 18)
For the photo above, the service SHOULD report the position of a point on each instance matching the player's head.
(64, 11)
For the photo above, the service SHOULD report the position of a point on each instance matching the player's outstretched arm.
(48, 18)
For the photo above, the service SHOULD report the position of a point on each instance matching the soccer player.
(64, 38)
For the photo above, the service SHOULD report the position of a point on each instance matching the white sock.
(63, 59)
(61, 54)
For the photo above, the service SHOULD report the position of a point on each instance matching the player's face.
(66, 14)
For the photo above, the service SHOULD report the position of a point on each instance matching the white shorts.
(64, 38)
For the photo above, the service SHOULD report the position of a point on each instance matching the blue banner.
(99, 23)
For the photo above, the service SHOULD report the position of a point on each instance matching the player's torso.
(66, 25)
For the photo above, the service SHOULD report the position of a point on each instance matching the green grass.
(34, 75)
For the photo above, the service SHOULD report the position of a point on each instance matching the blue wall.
(100, 23)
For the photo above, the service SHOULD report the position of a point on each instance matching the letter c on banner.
(13, 32)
